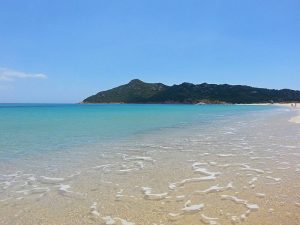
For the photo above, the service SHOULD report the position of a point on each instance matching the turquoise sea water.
(29, 128)
(148, 164)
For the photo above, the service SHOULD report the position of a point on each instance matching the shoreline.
(91, 185)
(295, 119)
(293, 106)
(189, 103)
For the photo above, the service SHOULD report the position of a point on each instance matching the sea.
(136, 164)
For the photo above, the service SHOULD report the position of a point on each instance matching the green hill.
(137, 91)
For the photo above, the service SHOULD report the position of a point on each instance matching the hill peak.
(136, 81)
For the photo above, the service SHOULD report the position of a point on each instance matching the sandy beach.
(294, 106)
(234, 169)
(297, 118)
(149, 112)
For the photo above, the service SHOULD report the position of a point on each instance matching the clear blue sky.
(64, 51)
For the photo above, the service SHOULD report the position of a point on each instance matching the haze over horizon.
(60, 52)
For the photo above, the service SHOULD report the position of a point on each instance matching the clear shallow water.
(186, 165)
(35, 128)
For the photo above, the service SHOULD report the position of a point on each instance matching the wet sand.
(238, 171)
(296, 119)
(295, 107)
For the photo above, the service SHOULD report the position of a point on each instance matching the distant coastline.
(139, 92)
(283, 104)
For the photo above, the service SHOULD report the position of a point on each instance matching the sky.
(59, 51)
